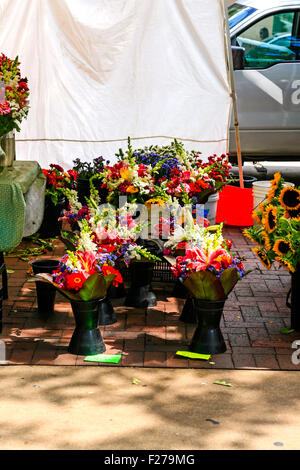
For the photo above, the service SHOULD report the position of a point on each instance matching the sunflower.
(262, 255)
(290, 198)
(266, 239)
(155, 201)
(256, 217)
(292, 214)
(270, 218)
(274, 185)
(248, 235)
(285, 263)
(282, 247)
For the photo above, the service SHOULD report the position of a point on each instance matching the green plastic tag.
(192, 355)
(113, 358)
(286, 331)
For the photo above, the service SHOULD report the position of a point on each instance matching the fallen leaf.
(10, 271)
(135, 381)
(286, 331)
(278, 444)
(222, 382)
(212, 421)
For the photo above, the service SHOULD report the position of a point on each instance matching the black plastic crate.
(161, 272)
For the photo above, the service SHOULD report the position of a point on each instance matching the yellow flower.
(247, 234)
(274, 185)
(282, 247)
(158, 201)
(125, 173)
(131, 189)
(285, 264)
(256, 217)
(263, 257)
(292, 214)
(290, 198)
(266, 240)
(270, 218)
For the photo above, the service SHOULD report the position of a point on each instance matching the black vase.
(45, 292)
(294, 305)
(208, 338)
(86, 338)
(188, 314)
(179, 290)
(107, 315)
(117, 292)
(140, 293)
(51, 227)
(84, 190)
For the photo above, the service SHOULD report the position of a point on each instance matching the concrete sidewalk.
(100, 408)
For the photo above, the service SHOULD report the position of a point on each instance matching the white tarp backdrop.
(102, 70)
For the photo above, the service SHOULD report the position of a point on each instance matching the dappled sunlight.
(101, 408)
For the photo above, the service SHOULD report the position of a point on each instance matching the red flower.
(106, 269)
(74, 281)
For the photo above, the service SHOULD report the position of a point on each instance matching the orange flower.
(131, 189)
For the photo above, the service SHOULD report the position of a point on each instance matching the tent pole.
(233, 95)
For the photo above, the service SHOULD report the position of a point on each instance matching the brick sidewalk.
(253, 316)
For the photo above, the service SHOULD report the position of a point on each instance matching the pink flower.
(4, 108)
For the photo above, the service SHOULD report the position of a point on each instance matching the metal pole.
(233, 95)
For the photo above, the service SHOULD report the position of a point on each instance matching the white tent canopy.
(102, 70)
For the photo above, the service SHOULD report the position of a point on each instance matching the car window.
(269, 41)
(238, 12)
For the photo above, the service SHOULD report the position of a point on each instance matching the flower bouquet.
(14, 106)
(116, 232)
(277, 235)
(277, 232)
(58, 182)
(128, 179)
(84, 278)
(182, 174)
(209, 273)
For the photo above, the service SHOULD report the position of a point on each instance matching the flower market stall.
(152, 70)
(127, 136)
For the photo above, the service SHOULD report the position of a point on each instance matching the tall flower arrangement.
(128, 178)
(14, 104)
(58, 181)
(277, 233)
(83, 275)
(105, 229)
(181, 174)
(209, 271)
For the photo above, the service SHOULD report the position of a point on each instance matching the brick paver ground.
(253, 316)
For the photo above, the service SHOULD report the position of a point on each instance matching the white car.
(268, 84)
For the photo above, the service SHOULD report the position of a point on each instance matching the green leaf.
(286, 331)
(228, 279)
(44, 277)
(204, 285)
(95, 287)
(222, 382)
